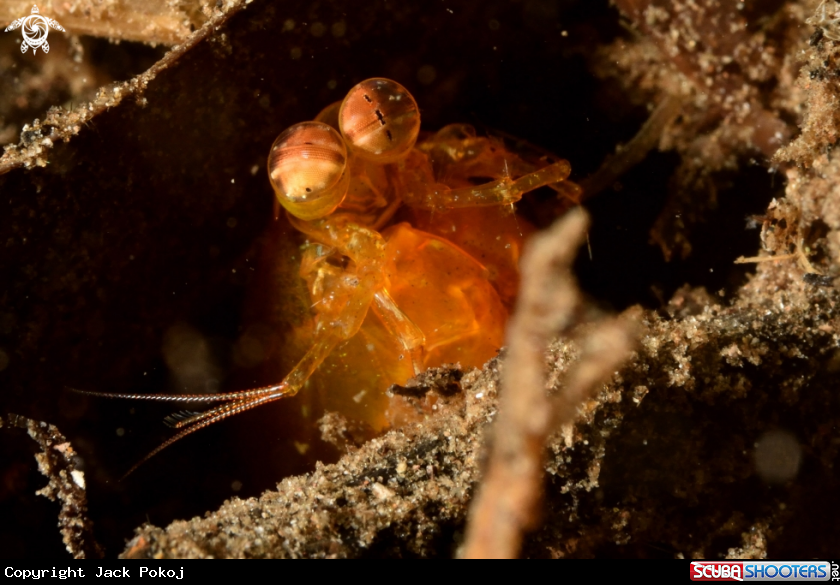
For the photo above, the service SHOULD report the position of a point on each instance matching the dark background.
(147, 224)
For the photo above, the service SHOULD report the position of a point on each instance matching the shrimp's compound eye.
(307, 167)
(379, 120)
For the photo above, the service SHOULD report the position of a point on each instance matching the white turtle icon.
(35, 31)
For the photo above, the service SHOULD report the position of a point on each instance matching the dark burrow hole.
(626, 268)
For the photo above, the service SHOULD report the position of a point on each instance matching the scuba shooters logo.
(36, 28)
(763, 571)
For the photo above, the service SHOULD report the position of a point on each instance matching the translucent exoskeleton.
(433, 288)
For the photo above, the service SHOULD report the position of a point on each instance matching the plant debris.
(56, 462)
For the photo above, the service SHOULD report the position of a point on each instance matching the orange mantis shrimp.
(433, 291)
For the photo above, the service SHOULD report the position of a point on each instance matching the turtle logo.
(35, 31)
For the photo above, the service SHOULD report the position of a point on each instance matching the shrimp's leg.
(402, 327)
(421, 191)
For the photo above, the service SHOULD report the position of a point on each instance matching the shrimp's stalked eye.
(380, 120)
(307, 167)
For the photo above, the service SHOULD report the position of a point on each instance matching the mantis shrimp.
(433, 291)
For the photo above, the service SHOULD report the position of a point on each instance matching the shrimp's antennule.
(191, 422)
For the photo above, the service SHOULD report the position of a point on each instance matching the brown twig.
(629, 155)
(508, 501)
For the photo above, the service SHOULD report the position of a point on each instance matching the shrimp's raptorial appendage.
(400, 325)
(388, 300)
(342, 302)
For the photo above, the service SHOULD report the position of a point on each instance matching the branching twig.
(549, 303)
